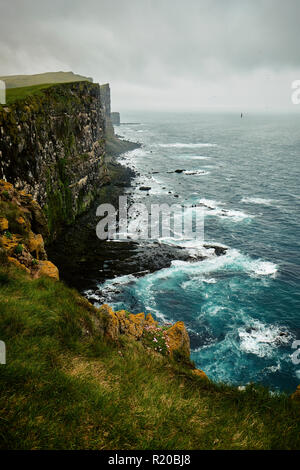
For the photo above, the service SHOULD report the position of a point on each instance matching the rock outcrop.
(172, 340)
(52, 145)
(20, 217)
(115, 118)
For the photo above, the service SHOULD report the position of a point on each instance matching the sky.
(171, 55)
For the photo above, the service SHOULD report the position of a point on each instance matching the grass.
(17, 94)
(65, 387)
(17, 81)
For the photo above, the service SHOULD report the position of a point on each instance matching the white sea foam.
(196, 157)
(188, 145)
(196, 172)
(261, 339)
(212, 208)
(258, 200)
(209, 203)
(233, 261)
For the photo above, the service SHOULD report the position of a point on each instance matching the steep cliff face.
(52, 144)
(114, 145)
(115, 118)
(106, 103)
(23, 227)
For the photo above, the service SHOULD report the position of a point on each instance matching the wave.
(211, 208)
(258, 200)
(261, 339)
(196, 157)
(196, 172)
(210, 203)
(190, 145)
(233, 261)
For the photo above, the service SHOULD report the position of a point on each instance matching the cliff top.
(21, 93)
(17, 81)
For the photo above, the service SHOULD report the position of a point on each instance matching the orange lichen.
(3, 224)
(17, 263)
(178, 339)
(46, 268)
(200, 374)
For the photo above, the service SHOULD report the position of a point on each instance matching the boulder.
(177, 339)
(48, 269)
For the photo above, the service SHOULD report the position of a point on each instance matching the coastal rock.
(200, 374)
(48, 269)
(20, 246)
(296, 394)
(115, 118)
(3, 224)
(174, 340)
(36, 246)
(112, 327)
(17, 263)
(178, 339)
(53, 147)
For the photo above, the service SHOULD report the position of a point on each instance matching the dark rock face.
(52, 144)
(115, 119)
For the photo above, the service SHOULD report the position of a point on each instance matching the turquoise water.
(242, 309)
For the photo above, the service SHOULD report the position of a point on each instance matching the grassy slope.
(20, 86)
(15, 94)
(17, 81)
(65, 387)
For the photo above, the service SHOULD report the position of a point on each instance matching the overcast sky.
(161, 54)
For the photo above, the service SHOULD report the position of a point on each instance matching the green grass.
(21, 93)
(17, 94)
(17, 81)
(65, 387)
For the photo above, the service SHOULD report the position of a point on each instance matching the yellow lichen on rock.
(20, 220)
(177, 339)
(5, 186)
(112, 329)
(200, 374)
(150, 320)
(36, 245)
(48, 269)
(17, 263)
(10, 243)
(3, 224)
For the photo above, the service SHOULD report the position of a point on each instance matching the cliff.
(53, 146)
(16, 81)
(115, 118)
(81, 377)
(23, 227)
(114, 145)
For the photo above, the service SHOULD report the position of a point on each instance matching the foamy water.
(241, 308)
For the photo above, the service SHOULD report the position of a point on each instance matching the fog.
(162, 54)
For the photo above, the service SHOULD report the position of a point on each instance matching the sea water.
(242, 309)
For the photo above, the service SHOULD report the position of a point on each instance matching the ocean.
(242, 309)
